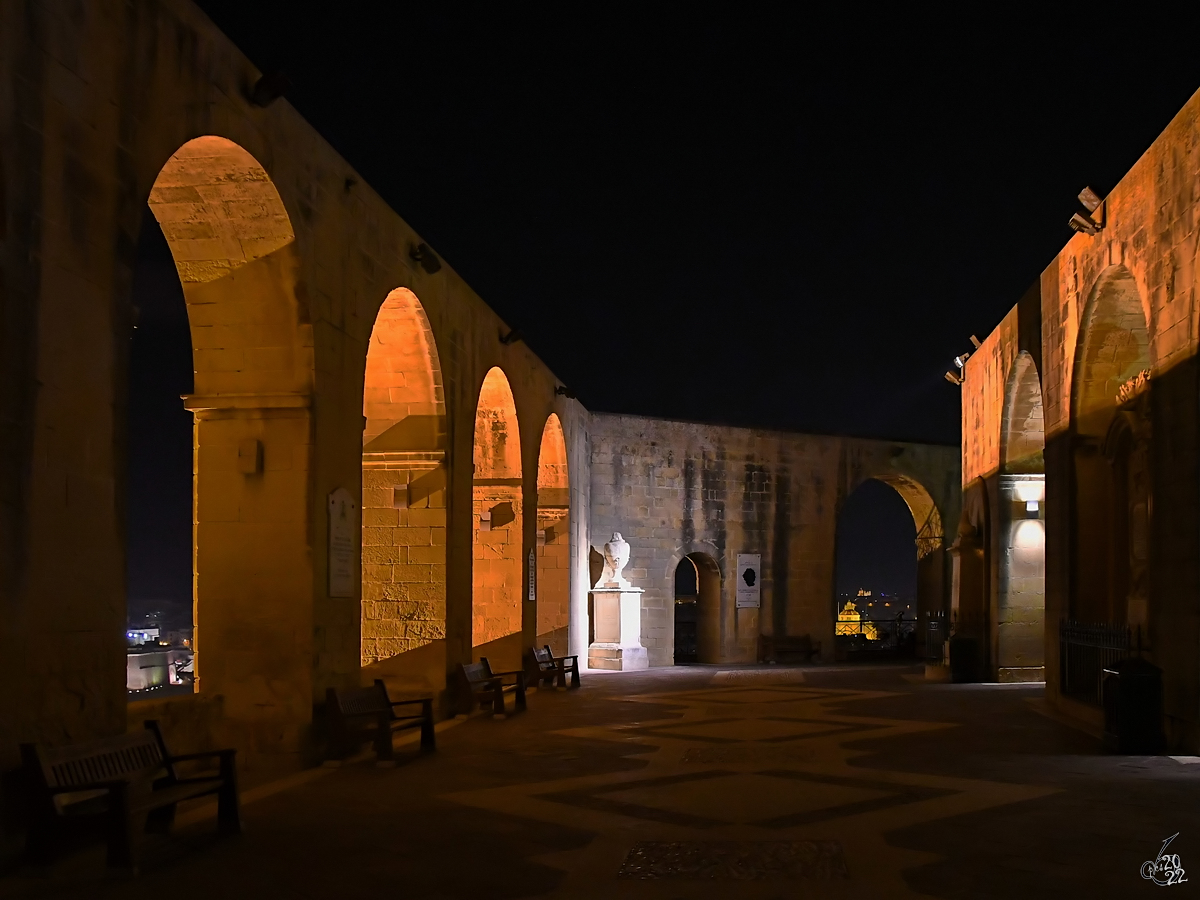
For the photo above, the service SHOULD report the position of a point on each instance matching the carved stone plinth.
(617, 614)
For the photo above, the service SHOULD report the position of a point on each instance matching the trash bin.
(1132, 694)
(964, 659)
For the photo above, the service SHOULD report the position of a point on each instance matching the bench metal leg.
(428, 740)
(229, 812)
(122, 830)
(575, 675)
(520, 702)
(498, 703)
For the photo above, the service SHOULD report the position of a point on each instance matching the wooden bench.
(125, 785)
(555, 668)
(802, 646)
(362, 713)
(480, 685)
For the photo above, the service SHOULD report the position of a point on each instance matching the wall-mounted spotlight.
(976, 342)
(563, 391)
(423, 254)
(511, 338)
(954, 379)
(269, 88)
(1086, 223)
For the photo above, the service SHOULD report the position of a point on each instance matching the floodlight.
(269, 88)
(1084, 224)
(1090, 199)
(423, 254)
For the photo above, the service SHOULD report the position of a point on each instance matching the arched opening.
(553, 542)
(884, 527)
(1021, 605)
(251, 550)
(496, 611)
(1110, 423)
(403, 498)
(158, 525)
(698, 611)
(687, 596)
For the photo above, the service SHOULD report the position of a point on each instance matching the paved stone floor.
(701, 782)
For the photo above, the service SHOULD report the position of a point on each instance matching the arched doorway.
(1110, 424)
(1019, 650)
(158, 484)
(687, 596)
(496, 611)
(553, 541)
(886, 528)
(698, 610)
(234, 251)
(403, 497)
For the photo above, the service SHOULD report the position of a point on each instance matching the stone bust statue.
(616, 556)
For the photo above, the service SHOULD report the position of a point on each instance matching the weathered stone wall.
(95, 99)
(676, 488)
(1148, 245)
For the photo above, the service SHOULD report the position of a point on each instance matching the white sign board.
(344, 538)
(748, 580)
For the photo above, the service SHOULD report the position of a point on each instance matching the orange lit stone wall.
(678, 488)
(498, 572)
(287, 257)
(1149, 243)
(553, 541)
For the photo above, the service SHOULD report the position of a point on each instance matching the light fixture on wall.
(563, 391)
(511, 338)
(1089, 222)
(269, 88)
(423, 255)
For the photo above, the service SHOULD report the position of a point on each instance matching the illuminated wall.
(498, 571)
(553, 539)
(403, 488)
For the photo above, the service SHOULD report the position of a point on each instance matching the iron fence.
(1085, 651)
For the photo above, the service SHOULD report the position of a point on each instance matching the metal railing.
(875, 637)
(1085, 651)
(937, 632)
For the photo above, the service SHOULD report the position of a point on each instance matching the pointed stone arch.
(1111, 455)
(1019, 629)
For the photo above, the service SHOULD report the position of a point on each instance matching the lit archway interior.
(553, 541)
(496, 612)
(233, 247)
(1021, 605)
(1110, 420)
(403, 495)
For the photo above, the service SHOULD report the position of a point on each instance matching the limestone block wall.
(677, 488)
(403, 560)
(553, 582)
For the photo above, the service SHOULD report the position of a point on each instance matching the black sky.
(795, 220)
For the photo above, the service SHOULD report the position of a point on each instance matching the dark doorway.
(686, 606)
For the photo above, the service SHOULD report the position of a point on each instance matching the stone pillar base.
(616, 658)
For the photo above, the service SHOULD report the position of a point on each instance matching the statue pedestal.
(617, 614)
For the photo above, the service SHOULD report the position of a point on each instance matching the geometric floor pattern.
(747, 785)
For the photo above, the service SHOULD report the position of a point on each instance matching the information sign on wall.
(532, 577)
(748, 579)
(343, 539)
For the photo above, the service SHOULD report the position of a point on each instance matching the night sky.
(793, 222)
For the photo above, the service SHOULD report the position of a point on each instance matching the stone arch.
(234, 250)
(1018, 630)
(403, 616)
(553, 539)
(709, 607)
(1110, 439)
(497, 572)
(926, 516)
